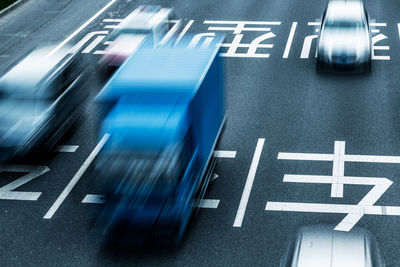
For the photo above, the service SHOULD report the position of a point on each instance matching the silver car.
(321, 246)
(344, 41)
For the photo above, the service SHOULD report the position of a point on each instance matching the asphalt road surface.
(277, 105)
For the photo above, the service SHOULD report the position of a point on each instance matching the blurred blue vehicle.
(164, 112)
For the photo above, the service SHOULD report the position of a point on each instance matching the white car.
(344, 41)
(322, 246)
(150, 25)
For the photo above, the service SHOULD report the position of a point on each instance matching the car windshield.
(349, 23)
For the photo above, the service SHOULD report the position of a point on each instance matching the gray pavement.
(282, 100)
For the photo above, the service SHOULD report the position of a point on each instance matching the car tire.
(320, 66)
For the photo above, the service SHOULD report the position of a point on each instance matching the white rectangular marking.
(224, 154)
(76, 178)
(94, 199)
(249, 184)
(305, 156)
(66, 148)
(242, 22)
(208, 203)
(93, 44)
(290, 40)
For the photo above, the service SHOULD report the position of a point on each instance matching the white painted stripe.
(208, 203)
(113, 20)
(100, 52)
(76, 178)
(94, 199)
(398, 27)
(93, 44)
(244, 55)
(225, 154)
(375, 30)
(4, 56)
(183, 32)
(375, 24)
(234, 28)
(111, 26)
(290, 40)
(249, 45)
(84, 25)
(243, 22)
(66, 149)
(305, 156)
(372, 159)
(249, 183)
(338, 169)
(108, 42)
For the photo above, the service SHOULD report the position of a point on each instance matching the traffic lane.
(38, 23)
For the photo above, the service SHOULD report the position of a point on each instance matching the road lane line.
(84, 25)
(184, 31)
(338, 169)
(249, 184)
(94, 199)
(66, 148)
(290, 40)
(76, 178)
(208, 203)
(224, 154)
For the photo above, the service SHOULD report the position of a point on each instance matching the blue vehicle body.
(164, 111)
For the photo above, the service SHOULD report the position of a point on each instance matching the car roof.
(322, 246)
(345, 10)
(34, 68)
(174, 70)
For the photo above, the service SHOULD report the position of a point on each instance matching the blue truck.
(163, 112)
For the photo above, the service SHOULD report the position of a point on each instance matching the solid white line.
(76, 178)
(224, 154)
(338, 169)
(398, 27)
(66, 149)
(249, 184)
(372, 159)
(234, 28)
(305, 156)
(242, 22)
(374, 24)
(244, 55)
(112, 20)
(94, 199)
(84, 25)
(290, 40)
(184, 31)
(208, 203)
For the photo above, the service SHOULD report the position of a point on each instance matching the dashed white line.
(290, 40)
(224, 154)
(76, 178)
(84, 25)
(208, 203)
(249, 184)
(94, 199)
(66, 148)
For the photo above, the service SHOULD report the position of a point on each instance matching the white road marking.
(249, 184)
(113, 20)
(338, 169)
(4, 56)
(100, 52)
(76, 178)
(290, 40)
(243, 22)
(66, 148)
(224, 154)
(86, 39)
(337, 180)
(93, 44)
(398, 27)
(374, 24)
(94, 199)
(215, 177)
(183, 32)
(6, 192)
(84, 25)
(208, 203)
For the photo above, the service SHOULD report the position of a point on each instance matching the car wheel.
(320, 66)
